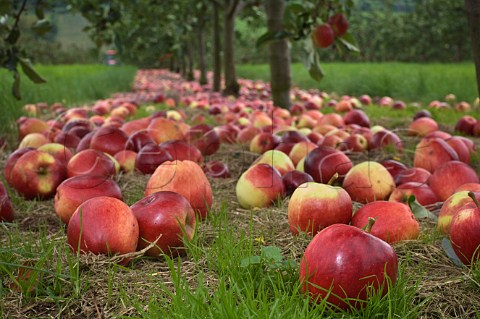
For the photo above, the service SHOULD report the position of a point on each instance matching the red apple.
(216, 169)
(472, 187)
(84, 143)
(37, 174)
(339, 24)
(246, 134)
(138, 140)
(460, 148)
(180, 150)
(27, 125)
(109, 139)
(385, 139)
(186, 178)
(205, 138)
(162, 130)
(394, 221)
(11, 160)
(422, 192)
(354, 143)
(103, 225)
(300, 150)
(6, 205)
(314, 206)
(168, 217)
(432, 153)
(394, 167)
(413, 174)
(422, 126)
(323, 36)
(90, 162)
(126, 159)
(60, 152)
(150, 157)
(357, 117)
(465, 233)
(259, 186)
(465, 124)
(34, 140)
(292, 180)
(422, 113)
(450, 208)
(323, 162)
(368, 181)
(343, 262)
(263, 142)
(72, 192)
(450, 176)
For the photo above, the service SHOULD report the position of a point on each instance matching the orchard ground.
(214, 280)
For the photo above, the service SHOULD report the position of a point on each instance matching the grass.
(406, 81)
(68, 84)
(40, 276)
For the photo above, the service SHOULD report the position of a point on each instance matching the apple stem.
(474, 198)
(333, 179)
(371, 222)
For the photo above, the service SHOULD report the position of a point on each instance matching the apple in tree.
(450, 208)
(168, 217)
(368, 181)
(465, 232)
(342, 261)
(314, 206)
(448, 177)
(422, 192)
(339, 24)
(6, 206)
(394, 221)
(259, 186)
(90, 162)
(103, 225)
(323, 36)
(186, 178)
(73, 191)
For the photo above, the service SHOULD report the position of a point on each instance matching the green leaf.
(418, 210)
(16, 85)
(252, 260)
(29, 71)
(271, 36)
(272, 253)
(348, 42)
(13, 36)
(447, 247)
(316, 72)
(42, 27)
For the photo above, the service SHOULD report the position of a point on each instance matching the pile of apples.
(302, 152)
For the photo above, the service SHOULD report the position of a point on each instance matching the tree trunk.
(279, 55)
(202, 63)
(217, 59)
(231, 84)
(472, 7)
(190, 76)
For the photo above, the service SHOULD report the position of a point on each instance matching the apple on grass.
(465, 232)
(59, 151)
(432, 153)
(6, 205)
(103, 225)
(277, 159)
(150, 157)
(180, 150)
(394, 167)
(126, 159)
(343, 263)
(12, 160)
(168, 217)
(186, 178)
(450, 208)
(37, 174)
(422, 192)
(292, 180)
(216, 169)
(394, 221)
(73, 191)
(368, 181)
(323, 162)
(204, 138)
(314, 206)
(450, 176)
(259, 186)
(90, 162)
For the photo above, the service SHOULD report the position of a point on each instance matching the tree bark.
(279, 55)
(472, 8)
(231, 85)
(202, 63)
(190, 76)
(217, 59)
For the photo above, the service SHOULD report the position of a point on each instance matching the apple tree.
(12, 55)
(472, 8)
(318, 24)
